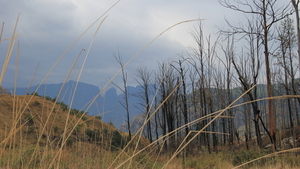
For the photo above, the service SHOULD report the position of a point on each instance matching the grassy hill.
(39, 133)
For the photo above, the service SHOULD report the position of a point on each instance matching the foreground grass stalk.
(58, 95)
(1, 32)
(53, 106)
(15, 100)
(67, 120)
(167, 135)
(140, 131)
(269, 155)
(189, 141)
(187, 21)
(9, 51)
(158, 154)
(48, 73)
(83, 64)
(36, 69)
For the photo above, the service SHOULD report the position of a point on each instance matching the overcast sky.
(46, 29)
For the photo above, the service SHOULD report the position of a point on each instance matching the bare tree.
(211, 55)
(228, 50)
(182, 73)
(287, 39)
(220, 102)
(168, 81)
(296, 10)
(248, 68)
(201, 58)
(124, 104)
(144, 79)
(268, 12)
(198, 60)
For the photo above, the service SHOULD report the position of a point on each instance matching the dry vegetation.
(41, 133)
(26, 138)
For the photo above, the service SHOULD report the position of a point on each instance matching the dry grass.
(20, 142)
(38, 133)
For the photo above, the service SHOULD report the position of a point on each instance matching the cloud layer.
(47, 28)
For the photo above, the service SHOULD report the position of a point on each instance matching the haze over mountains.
(107, 104)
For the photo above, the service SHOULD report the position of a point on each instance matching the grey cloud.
(47, 28)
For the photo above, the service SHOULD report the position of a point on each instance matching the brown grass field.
(40, 133)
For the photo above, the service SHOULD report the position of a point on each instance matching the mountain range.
(107, 105)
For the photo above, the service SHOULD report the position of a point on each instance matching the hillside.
(36, 132)
(30, 119)
(4, 91)
(107, 104)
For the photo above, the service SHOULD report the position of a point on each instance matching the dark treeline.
(262, 51)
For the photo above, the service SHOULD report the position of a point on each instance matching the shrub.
(118, 141)
(55, 128)
(48, 98)
(35, 94)
(70, 141)
(77, 128)
(28, 120)
(63, 106)
(291, 160)
(207, 161)
(247, 155)
(37, 103)
(98, 117)
(94, 135)
(84, 118)
(74, 111)
(54, 99)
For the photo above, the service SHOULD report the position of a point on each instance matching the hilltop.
(35, 121)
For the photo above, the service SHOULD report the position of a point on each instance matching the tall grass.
(43, 135)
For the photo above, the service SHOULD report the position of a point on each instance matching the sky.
(47, 28)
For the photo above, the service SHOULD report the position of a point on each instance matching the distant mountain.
(4, 91)
(107, 105)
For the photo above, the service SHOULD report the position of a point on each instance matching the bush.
(54, 99)
(28, 120)
(118, 141)
(84, 118)
(213, 160)
(291, 160)
(94, 135)
(48, 98)
(74, 112)
(247, 155)
(77, 128)
(98, 117)
(70, 141)
(37, 103)
(63, 106)
(55, 128)
(35, 94)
